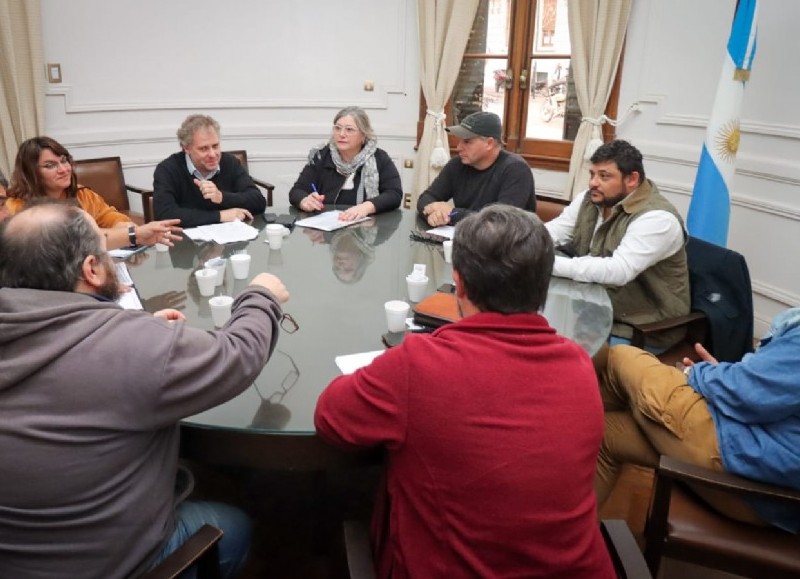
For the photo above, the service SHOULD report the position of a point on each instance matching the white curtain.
(444, 27)
(21, 77)
(597, 32)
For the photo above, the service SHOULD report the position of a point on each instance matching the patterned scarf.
(368, 187)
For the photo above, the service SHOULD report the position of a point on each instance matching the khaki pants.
(650, 411)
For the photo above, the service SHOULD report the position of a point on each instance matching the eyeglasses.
(287, 383)
(3, 200)
(346, 130)
(52, 165)
(289, 324)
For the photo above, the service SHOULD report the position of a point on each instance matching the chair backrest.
(104, 176)
(548, 208)
(720, 285)
(241, 156)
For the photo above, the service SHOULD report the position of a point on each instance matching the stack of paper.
(230, 232)
(327, 221)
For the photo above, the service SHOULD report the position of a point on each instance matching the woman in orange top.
(43, 169)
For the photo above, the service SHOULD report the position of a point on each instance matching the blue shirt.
(755, 405)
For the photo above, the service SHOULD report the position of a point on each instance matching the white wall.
(673, 60)
(275, 72)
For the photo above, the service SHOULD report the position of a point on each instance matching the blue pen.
(314, 188)
(452, 213)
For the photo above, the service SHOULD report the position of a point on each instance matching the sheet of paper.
(447, 231)
(230, 232)
(352, 362)
(126, 252)
(130, 299)
(327, 221)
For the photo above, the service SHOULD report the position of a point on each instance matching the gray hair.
(360, 118)
(44, 247)
(192, 124)
(505, 257)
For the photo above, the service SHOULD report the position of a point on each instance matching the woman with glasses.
(349, 172)
(43, 170)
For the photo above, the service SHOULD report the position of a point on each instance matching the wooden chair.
(721, 316)
(199, 552)
(104, 176)
(548, 208)
(682, 526)
(625, 554)
(268, 187)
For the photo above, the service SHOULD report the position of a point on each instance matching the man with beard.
(90, 399)
(624, 234)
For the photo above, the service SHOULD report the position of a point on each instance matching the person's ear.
(93, 271)
(632, 181)
(459, 285)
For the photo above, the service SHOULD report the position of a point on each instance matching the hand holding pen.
(313, 201)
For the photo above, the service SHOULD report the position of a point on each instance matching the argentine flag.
(709, 210)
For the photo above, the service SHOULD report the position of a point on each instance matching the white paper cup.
(396, 314)
(220, 309)
(161, 248)
(206, 281)
(447, 245)
(275, 235)
(218, 263)
(417, 288)
(240, 264)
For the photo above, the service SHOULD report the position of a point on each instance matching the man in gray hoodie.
(90, 399)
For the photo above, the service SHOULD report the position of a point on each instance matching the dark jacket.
(321, 171)
(177, 197)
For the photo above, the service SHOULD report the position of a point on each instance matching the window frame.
(539, 153)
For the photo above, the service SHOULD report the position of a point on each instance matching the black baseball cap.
(480, 124)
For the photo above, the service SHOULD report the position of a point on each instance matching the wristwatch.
(132, 234)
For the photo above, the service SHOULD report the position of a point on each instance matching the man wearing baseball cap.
(481, 174)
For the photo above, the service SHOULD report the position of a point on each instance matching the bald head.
(44, 247)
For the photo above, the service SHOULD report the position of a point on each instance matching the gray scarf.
(368, 187)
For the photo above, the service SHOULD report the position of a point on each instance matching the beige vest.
(659, 292)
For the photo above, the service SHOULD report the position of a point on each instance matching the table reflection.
(338, 283)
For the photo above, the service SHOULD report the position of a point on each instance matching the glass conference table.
(338, 283)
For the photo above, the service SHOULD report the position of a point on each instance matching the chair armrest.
(696, 324)
(147, 201)
(358, 550)
(678, 470)
(265, 185)
(203, 543)
(627, 557)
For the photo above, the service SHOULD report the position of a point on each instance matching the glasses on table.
(289, 324)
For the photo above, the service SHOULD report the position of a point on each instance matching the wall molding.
(380, 101)
(776, 294)
(701, 121)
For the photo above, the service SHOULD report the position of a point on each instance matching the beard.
(110, 288)
(609, 201)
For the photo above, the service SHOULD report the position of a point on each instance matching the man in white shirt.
(624, 234)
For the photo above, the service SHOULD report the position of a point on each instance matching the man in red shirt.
(492, 424)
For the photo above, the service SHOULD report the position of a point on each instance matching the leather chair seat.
(707, 533)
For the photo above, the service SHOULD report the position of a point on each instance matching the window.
(517, 64)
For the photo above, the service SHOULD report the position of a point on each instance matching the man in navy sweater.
(200, 184)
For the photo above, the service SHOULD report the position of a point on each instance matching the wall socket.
(369, 86)
(408, 163)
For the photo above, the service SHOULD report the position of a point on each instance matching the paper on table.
(130, 299)
(352, 362)
(126, 252)
(229, 232)
(327, 221)
(447, 231)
